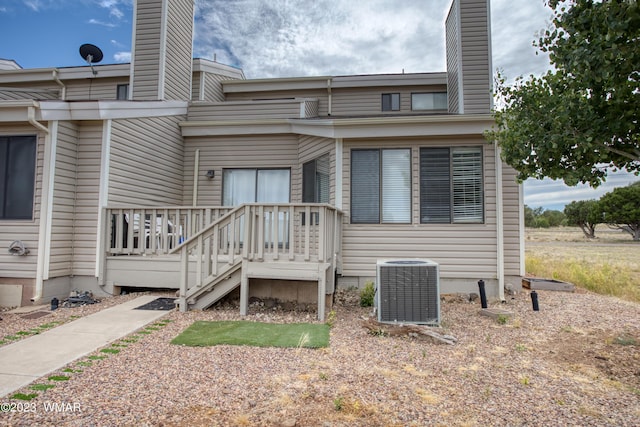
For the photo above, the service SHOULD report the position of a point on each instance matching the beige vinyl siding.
(320, 94)
(179, 41)
(451, 34)
(207, 87)
(25, 230)
(245, 110)
(63, 202)
(464, 251)
(312, 147)
(98, 88)
(511, 202)
(213, 87)
(217, 153)
(365, 101)
(31, 90)
(146, 52)
(146, 161)
(476, 72)
(196, 85)
(87, 194)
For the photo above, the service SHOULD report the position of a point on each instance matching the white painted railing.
(155, 230)
(260, 232)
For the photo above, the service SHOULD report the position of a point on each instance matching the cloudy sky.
(280, 38)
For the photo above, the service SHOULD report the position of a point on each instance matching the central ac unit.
(408, 291)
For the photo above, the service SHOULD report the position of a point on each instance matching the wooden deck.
(205, 253)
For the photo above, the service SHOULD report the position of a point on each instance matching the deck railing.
(155, 230)
(261, 232)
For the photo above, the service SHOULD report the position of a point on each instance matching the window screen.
(390, 102)
(255, 185)
(17, 176)
(381, 186)
(315, 180)
(429, 101)
(451, 187)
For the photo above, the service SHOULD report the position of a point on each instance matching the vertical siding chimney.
(162, 52)
(468, 45)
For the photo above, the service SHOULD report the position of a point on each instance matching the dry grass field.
(609, 264)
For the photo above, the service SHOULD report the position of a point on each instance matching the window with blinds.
(451, 187)
(381, 186)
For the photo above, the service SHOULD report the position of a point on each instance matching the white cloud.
(104, 24)
(552, 194)
(303, 37)
(121, 57)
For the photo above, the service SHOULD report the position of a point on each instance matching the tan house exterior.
(173, 172)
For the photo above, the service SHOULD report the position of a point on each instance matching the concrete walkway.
(29, 359)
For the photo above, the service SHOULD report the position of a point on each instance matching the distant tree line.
(619, 209)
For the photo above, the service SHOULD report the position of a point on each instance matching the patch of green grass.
(41, 387)
(502, 319)
(11, 337)
(145, 332)
(22, 396)
(2, 342)
(152, 328)
(162, 323)
(96, 357)
(59, 378)
(84, 363)
(129, 341)
(607, 278)
(48, 325)
(110, 350)
(119, 345)
(24, 333)
(204, 334)
(71, 371)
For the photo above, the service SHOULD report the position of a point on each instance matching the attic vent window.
(390, 102)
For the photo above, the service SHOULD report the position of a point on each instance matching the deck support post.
(244, 290)
(322, 290)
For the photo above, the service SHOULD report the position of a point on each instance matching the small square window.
(123, 92)
(390, 102)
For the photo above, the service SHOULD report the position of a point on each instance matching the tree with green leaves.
(576, 121)
(621, 209)
(585, 214)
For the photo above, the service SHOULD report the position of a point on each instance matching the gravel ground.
(575, 362)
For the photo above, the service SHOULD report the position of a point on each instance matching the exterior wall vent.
(408, 291)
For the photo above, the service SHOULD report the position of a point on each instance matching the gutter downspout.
(499, 225)
(31, 116)
(329, 97)
(196, 171)
(48, 170)
(63, 88)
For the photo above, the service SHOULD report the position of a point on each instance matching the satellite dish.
(92, 54)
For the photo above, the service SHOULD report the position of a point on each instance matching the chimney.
(162, 50)
(468, 45)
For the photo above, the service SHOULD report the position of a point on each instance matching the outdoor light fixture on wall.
(210, 174)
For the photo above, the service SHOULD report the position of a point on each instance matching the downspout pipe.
(499, 225)
(328, 97)
(63, 88)
(31, 116)
(44, 203)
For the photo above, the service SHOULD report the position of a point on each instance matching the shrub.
(367, 294)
